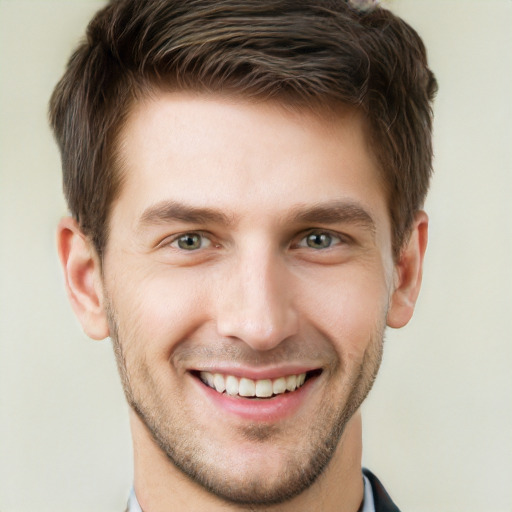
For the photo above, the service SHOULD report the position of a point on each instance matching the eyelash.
(203, 237)
(334, 239)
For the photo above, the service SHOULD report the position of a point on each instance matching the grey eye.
(319, 240)
(190, 241)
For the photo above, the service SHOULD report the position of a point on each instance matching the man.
(246, 181)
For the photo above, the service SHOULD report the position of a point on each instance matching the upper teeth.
(249, 388)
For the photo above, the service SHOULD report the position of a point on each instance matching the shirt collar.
(133, 504)
(368, 504)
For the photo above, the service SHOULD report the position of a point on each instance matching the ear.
(408, 273)
(82, 274)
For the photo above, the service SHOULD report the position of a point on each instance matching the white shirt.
(368, 503)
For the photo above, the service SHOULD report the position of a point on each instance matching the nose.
(256, 304)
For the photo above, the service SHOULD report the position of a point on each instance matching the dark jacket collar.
(383, 502)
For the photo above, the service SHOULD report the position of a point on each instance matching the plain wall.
(438, 423)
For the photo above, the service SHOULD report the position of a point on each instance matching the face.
(247, 279)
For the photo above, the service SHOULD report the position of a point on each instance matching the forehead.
(245, 158)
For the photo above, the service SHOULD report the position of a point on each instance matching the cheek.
(350, 310)
(157, 309)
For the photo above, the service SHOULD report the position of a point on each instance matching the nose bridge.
(258, 306)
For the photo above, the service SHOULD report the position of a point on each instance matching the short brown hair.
(303, 52)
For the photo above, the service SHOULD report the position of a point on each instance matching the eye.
(319, 240)
(191, 242)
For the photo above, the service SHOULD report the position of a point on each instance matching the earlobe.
(82, 274)
(409, 271)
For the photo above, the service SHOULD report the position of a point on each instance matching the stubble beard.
(181, 446)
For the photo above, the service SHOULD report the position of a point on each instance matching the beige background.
(438, 424)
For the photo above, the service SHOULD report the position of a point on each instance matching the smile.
(249, 388)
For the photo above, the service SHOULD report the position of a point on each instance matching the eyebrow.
(335, 212)
(331, 212)
(169, 211)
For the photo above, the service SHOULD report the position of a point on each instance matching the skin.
(257, 296)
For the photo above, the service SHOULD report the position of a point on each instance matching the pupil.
(189, 242)
(319, 240)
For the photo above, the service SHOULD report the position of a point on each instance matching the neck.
(160, 486)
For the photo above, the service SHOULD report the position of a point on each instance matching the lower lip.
(267, 410)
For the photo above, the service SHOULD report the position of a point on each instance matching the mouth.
(255, 389)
